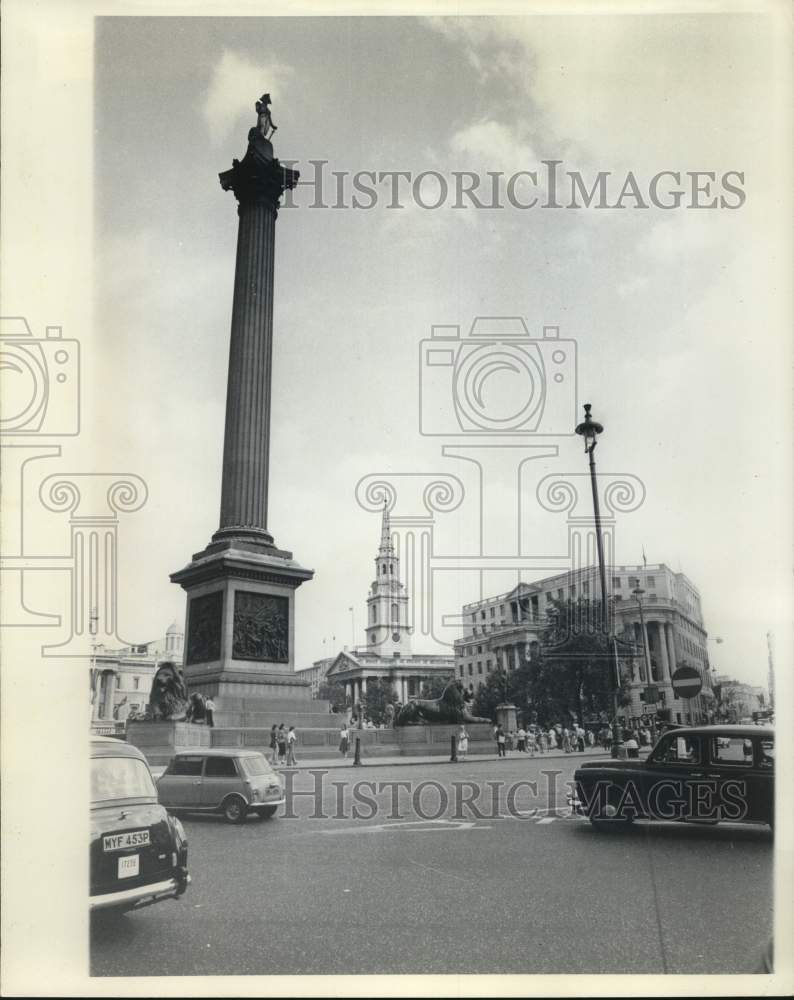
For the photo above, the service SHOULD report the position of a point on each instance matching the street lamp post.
(589, 429)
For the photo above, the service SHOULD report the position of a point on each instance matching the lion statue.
(168, 699)
(449, 708)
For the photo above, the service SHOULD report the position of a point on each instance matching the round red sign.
(687, 682)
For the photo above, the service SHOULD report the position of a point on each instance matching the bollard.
(453, 748)
(357, 757)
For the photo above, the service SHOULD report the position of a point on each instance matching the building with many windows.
(387, 654)
(316, 673)
(506, 630)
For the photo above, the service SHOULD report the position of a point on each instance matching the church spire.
(386, 547)
(388, 631)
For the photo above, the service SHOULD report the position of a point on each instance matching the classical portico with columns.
(387, 654)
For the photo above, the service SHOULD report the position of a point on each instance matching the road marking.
(411, 826)
(546, 819)
(440, 871)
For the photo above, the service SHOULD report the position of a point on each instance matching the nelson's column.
(241, 588)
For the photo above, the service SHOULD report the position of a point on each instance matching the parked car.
(138, 852)
(231, 782)
(704, 774)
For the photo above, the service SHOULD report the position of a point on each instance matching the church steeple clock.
(387, 604)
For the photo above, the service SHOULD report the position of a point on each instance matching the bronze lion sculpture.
(449, 708)
(168, 699)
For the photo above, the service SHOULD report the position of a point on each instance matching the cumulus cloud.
(235, 83)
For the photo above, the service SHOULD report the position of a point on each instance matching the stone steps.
(264, 720)
(226, 703)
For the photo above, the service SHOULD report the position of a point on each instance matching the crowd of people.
(282, 745)
(531, 740)
(573, 738)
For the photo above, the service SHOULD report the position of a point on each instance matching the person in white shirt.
(291, 738)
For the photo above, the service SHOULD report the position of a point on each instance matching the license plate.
(121, 841)
(129, 866)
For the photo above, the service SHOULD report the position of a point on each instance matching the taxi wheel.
(234, 809)
(608, 819)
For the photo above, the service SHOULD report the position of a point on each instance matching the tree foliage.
(433, 687)
(569, 676)
(380, 693)
(334, 692)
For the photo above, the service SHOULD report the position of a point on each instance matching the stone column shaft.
(246, 447)
(663, 647)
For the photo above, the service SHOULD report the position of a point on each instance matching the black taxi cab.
(138, 852)
(701, 774)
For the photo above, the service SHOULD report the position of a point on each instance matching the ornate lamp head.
(589, 429)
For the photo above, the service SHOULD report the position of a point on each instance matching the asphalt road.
(502, 885)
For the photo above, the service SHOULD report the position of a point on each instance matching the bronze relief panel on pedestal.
(261, 627)
(205, 622)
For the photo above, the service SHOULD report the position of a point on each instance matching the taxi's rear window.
(120, 778)
(256, 766)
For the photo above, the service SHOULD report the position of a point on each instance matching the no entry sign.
(686, 682)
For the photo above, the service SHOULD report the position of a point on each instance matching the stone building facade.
(505, 631)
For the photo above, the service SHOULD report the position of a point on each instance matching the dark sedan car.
(706, 774)
(138, 851)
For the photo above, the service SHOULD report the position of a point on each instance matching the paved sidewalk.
(334, 762)
(337, 762)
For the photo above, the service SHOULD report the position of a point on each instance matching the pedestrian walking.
(273, 743)
(541, 741)
(463, 743)
(209, 711)
(531, 743)
(590, 738)
(281, 740)
(344, 738)
(566, 740)
(291, 738)
(552, 738)
(501, 740)
(522, 740)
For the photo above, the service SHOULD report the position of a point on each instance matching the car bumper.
(267, 804)
(143, 895)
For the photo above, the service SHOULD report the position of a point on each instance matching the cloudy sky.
(676, 313)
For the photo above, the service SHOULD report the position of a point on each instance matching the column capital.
(258, 178)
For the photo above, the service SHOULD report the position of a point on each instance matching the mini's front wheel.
(234, 809)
